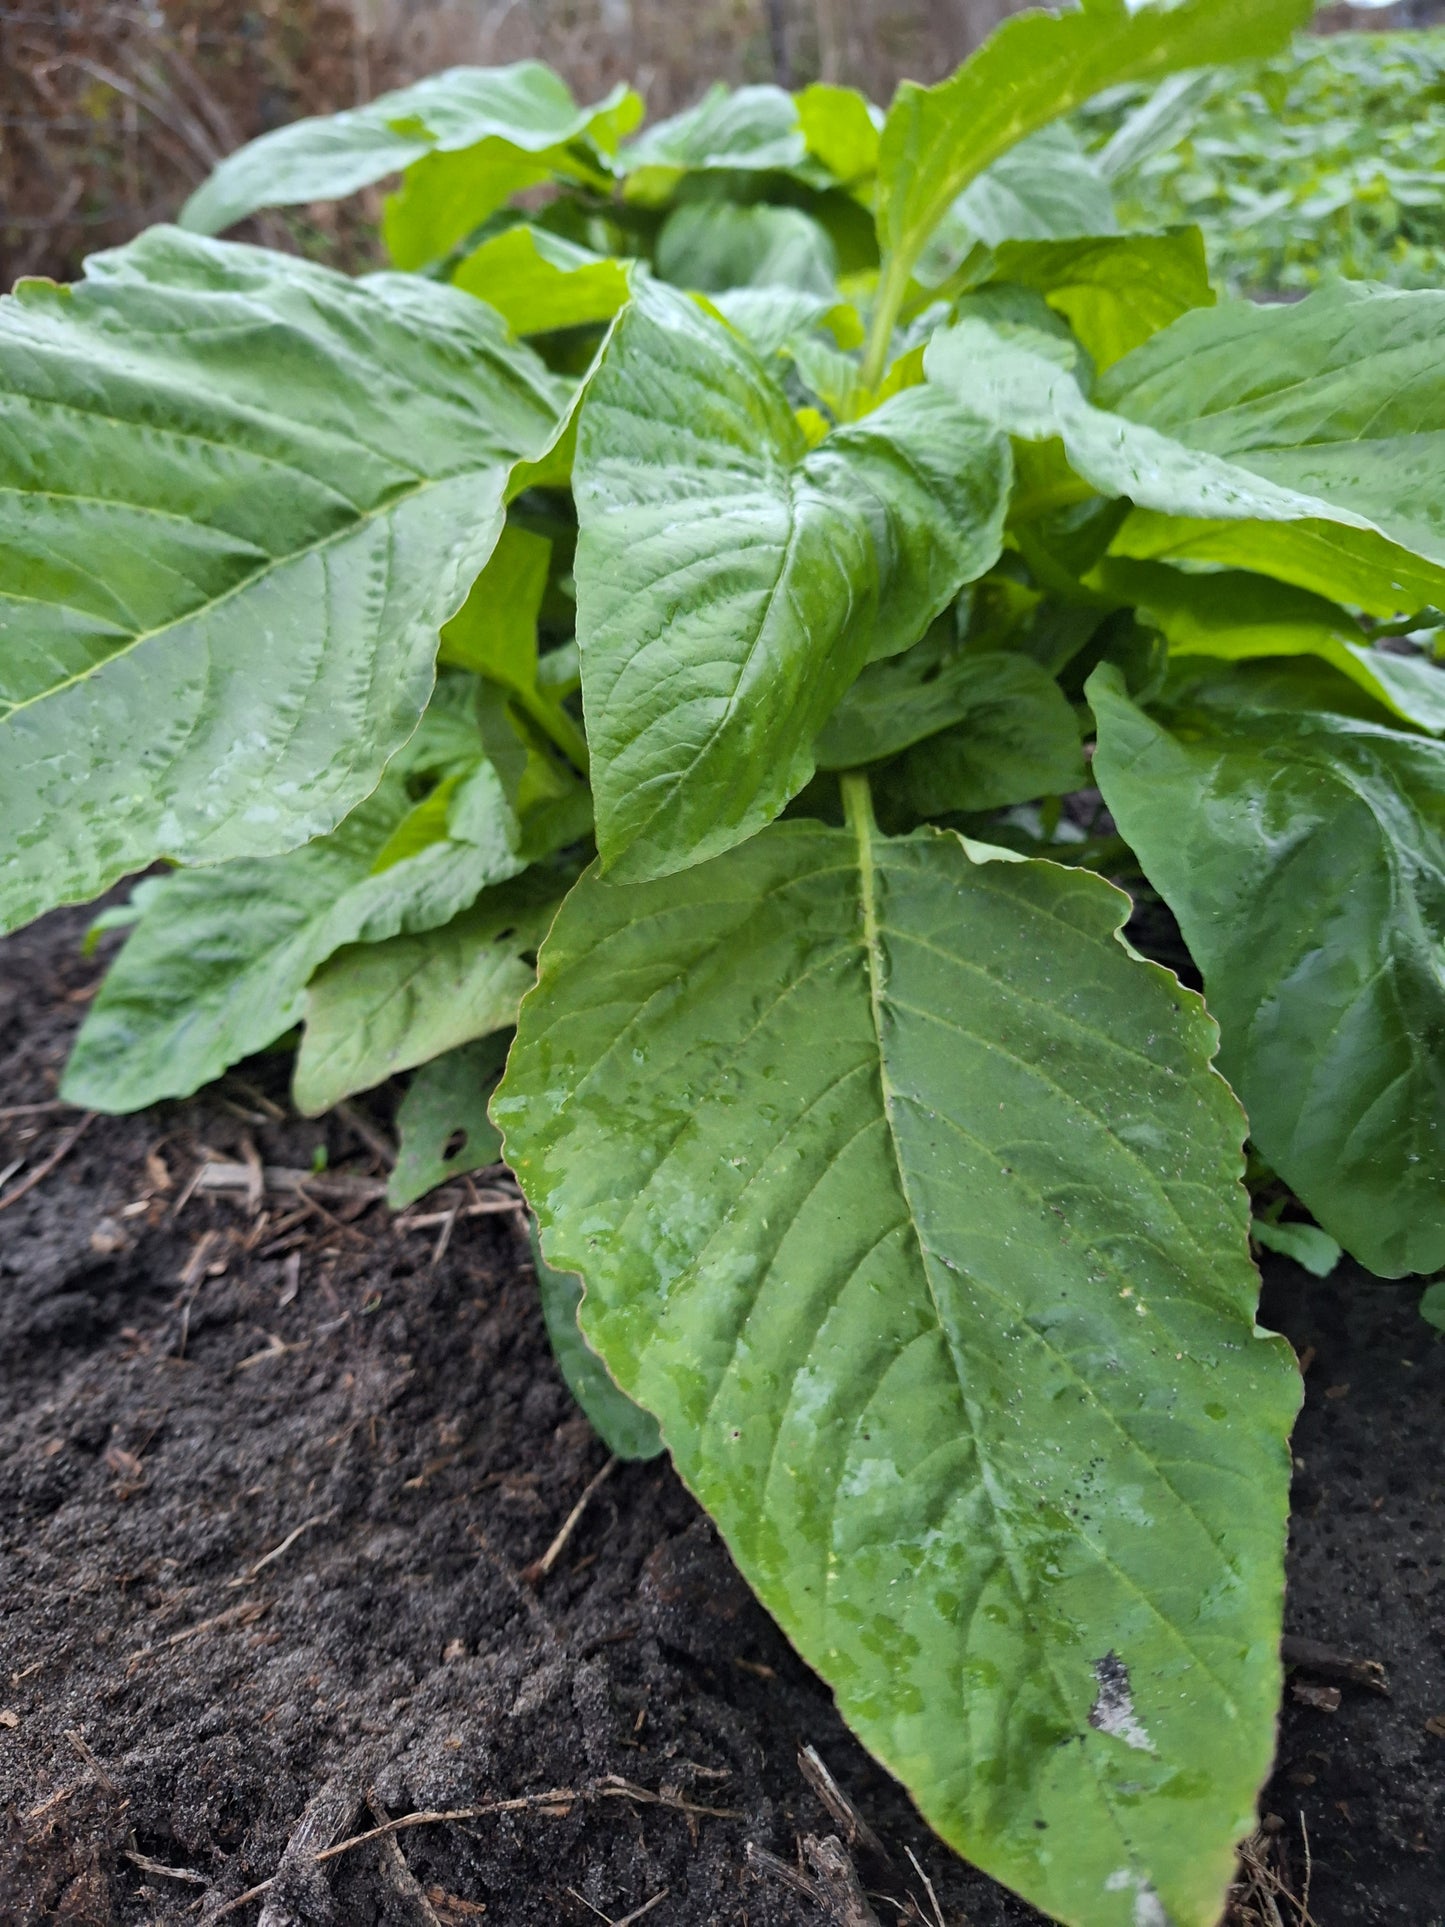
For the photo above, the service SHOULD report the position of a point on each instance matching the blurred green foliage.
(1327, 161)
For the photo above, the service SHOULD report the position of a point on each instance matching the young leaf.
(624, 1428)
(716, 246)
(1235, 617)
(1303, 853)
(1035, 70)
(373, 1011)
(1432, 1305)
(1018, 738)
(841, 129)
(732, 582)
(1114, 292)
(906, 1198)
(494, 634)
(1045, 189)
(537, 282)
(447, 1100)
(218, 963)
(1315, 1251)
(244, 495)
(747, 130)
(1327, 410)
(525, 109)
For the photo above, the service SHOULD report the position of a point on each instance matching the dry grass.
(112, 110)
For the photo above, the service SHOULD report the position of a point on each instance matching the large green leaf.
(1329, 410)
(906, 1198)
(239, 496)
(1034, 70)
(380, 1008)
(524, 110)
(1303, 853)
(1235, 616)
(218, 962)
(732, 582)
(1354, 566)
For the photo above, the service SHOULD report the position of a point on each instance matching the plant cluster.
(731, 605)
(1320, 163)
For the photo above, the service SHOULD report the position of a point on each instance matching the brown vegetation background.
(112, 110)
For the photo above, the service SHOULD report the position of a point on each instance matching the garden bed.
(272, 1486)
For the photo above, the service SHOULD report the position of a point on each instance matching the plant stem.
(892, 289)
(557, 726)
(858, 803)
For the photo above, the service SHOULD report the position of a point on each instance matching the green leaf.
(624, 1428)
(907, 1200)
(1353, 566)
(772, 318)
(447, 1100)
(732, 582)
(1035, 70)
(716, 246)
(1164, 117)
(1330, 409)
(217, 964)
(1309, 1247)
(551, 805)
(841, 129)
(1304, 856)
(494, 634)
(524, 109)
(1045, 189)
(448, 194)
(380, 1008)
(746, 130)
(538, 282)
(239, 495)
(1018, 738)
(1114, 292)
(1235, 617)
(1432, 1305)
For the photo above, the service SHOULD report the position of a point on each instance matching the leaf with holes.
(907, 1199)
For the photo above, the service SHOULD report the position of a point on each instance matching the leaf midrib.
(872, 944)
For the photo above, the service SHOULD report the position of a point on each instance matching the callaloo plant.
(748, 604)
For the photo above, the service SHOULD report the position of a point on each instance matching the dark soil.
(268, 1493)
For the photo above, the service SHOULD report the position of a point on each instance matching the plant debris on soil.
(290, 1631)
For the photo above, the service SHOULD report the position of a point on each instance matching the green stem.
(892, 291)
(557, 726)
(858, 804)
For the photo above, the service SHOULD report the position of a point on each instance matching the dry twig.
(42, 1171)
(539, 1568)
